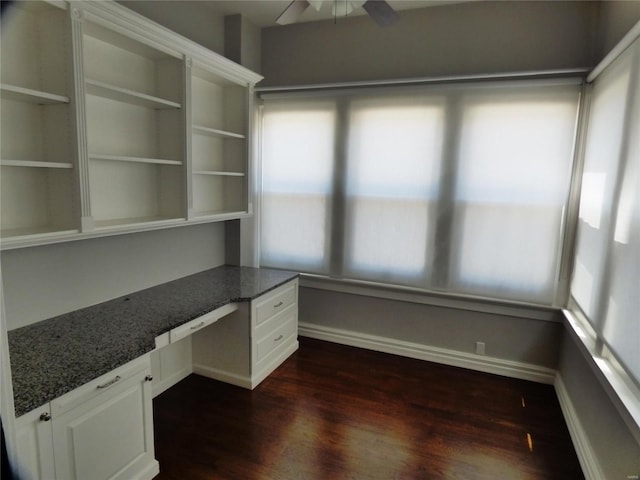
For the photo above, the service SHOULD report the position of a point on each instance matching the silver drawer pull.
(279, 304)
(200, 325)
(109, 383)
(278, 338)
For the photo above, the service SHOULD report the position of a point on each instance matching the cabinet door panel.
(34, 439)
(107, 428)
(106, 437)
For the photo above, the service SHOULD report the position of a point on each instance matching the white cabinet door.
(246, 346)
(34, 439)
(104, 430)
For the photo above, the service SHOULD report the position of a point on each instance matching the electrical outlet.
(480, 348)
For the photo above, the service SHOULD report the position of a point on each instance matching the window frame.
(434, 291)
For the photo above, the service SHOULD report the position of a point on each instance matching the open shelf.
(223, 174)
(37, 196)
(121, 158)
(21, 94)
(16, 234)
(213, 194)
(219, 151)
(34, 164)
(125, 193)
(131, 222)
(218, 106)
(127, 96)
(135, 130)
(200, 130)
(219, 214)
(127, 70)
(37, 200)
(35, 59)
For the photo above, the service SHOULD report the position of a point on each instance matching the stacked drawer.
(275, 324)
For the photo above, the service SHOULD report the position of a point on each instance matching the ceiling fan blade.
(292, 12)
(381, 12)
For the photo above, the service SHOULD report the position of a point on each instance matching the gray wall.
(616, 19)
(192, 19)
(465, 38)
(535, 342)
(242, 42)
(41, 282)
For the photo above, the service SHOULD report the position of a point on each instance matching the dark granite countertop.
(55, 356)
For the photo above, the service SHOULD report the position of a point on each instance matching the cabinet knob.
(45, 417)
(148, 378)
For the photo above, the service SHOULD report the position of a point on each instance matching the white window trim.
(437, 299)
(618, 385)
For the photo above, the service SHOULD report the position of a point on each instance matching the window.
(454, 188)
(394, 151)
(607, 263)
(514, 169)
(297, 184)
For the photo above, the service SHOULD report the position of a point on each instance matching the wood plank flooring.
(337, 412)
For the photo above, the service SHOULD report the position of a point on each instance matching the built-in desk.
(52, 357)
(244, 321)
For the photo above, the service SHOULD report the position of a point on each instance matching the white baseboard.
(273, 361)
(166, 383)
(586, 455)
(223, 376)
(150, 472)
(481, 363)
(248, 382)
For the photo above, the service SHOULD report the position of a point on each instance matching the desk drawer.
(287, 329)
(276, 301)
(199, 323)
(139, 368)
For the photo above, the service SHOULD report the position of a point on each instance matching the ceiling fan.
(379, 10)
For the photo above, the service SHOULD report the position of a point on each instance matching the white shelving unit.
(135, 130)
(219, 167)
(37, 179)
(113, 124)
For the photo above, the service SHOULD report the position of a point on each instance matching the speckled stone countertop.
(55, 356)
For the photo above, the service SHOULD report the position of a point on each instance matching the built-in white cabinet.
(135, 129)
(219, 167)
(274, 328)
(244, 347)
(112, 123)
(101, 430)
(104, 429)
(37, 157)
(34, 445)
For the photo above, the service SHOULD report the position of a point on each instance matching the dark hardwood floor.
(336, 412)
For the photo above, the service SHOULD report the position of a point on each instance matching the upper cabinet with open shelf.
(135, 130)
(38, 187)
(112, 123)
(219, 146)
